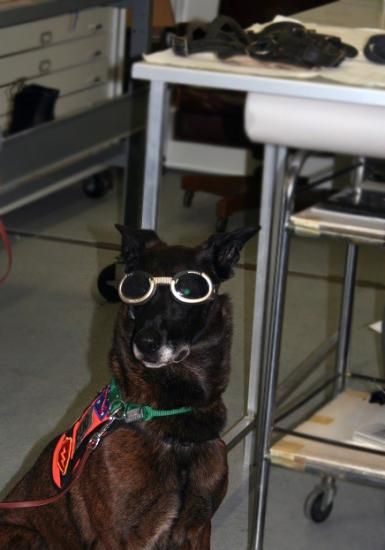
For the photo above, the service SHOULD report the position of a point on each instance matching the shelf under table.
(335, 421)
(356, 215)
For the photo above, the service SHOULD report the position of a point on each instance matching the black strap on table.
(224, 36)
(292, 43)
(374, 49)
(284, 42)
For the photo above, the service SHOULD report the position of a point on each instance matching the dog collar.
(94, 423)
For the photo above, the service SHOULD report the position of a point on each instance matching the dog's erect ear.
(134, 241)
(223, 250)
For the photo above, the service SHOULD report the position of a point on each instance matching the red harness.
(72, 444)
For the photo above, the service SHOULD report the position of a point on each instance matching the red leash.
(92, 444)
(7, 244)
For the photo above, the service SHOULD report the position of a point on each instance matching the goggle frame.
(172, 282)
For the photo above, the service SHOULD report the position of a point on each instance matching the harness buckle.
(134, 415)
(179, 45)
(98, 436)
(94, 441)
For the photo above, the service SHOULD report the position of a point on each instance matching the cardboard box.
(162, 16)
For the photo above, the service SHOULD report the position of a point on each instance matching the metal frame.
(269, 393)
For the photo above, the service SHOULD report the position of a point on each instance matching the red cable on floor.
(7, 245)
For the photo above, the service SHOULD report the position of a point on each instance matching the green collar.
(131, 412)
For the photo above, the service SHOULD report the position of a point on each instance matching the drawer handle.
(46, 38)
(45, 66)
(96, 80)
(97, 53)
(96, 27)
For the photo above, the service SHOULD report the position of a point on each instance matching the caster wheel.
(221, 225)
(314, 507)
(107, 284)
(188, 198)
(97, 186)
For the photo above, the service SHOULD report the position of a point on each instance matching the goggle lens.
(191, 286)
(136, 286)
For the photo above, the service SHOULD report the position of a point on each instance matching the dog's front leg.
(20, 537)
(199, 539)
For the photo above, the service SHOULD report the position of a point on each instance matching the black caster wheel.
(221, 225)
(107, 284)
(315, 508)
(188, 198)
(98, 185)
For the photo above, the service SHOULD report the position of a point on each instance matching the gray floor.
(55, 333)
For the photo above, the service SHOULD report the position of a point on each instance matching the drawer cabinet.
(35, 63)
(82, 56)
(55, 30)
(79, 54)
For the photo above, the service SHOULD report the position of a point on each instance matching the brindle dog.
(156, 484)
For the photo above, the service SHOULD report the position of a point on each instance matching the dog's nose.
(148, 340)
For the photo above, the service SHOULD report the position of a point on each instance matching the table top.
(311, 88)
(348, 13)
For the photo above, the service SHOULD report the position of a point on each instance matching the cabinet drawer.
(64, 28)
(81, 100)
(55, 58)
(68, 82)
(71, 103)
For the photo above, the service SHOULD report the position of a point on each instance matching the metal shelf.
(325, 441)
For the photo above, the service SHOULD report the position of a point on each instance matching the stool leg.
(346, 315)
(268, 383)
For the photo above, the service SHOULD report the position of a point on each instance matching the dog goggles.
(190, 287)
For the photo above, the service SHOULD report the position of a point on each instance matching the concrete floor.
(55, 332)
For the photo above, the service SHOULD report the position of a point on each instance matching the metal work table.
(160, 78)
(78, 145)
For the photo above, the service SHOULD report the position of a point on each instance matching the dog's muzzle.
(151, 349)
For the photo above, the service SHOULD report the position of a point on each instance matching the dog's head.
(174, 321)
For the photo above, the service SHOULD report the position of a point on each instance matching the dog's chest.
(155, 489)
(142, 461)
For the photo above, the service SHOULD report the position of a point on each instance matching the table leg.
(154, 153)
(271, 262)
(133, 180)
(273, 157)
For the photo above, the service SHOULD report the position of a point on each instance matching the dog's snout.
(148, 340)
